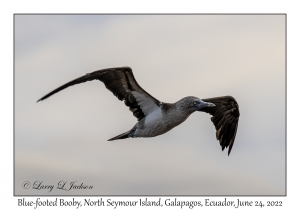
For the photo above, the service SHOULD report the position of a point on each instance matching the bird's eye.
(194, 102)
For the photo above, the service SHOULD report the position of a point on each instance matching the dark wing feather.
(121, 82)
(225, 117)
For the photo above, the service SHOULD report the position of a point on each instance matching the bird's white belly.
(155, 124)
(151, 126)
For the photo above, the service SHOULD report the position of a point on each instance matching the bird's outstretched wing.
(225, 117)
(121, 82)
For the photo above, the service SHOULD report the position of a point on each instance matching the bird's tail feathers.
(122, 136)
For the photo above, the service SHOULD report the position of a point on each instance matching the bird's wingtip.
(40, 99)
(229, 150)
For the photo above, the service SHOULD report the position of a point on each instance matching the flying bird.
(156, 117)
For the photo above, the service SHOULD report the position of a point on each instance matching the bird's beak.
(203, 104)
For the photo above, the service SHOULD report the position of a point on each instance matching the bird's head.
(193, 104)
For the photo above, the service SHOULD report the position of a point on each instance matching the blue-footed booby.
(156, 117)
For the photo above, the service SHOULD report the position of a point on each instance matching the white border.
(8, 8)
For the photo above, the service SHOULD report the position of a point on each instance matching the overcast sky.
(172, 56)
